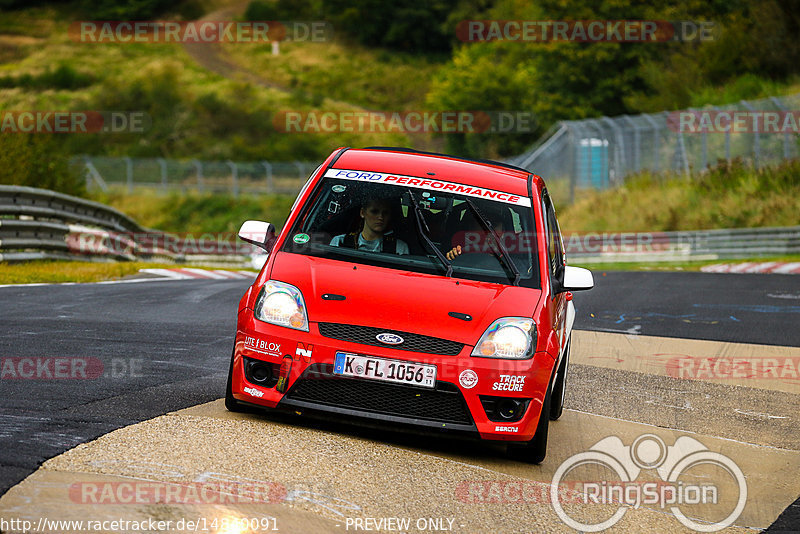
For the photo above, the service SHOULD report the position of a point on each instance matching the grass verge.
(674, 266)
(197, 213)
(731, 195)
(73, 271)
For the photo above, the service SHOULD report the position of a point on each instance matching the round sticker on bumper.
(468, 379)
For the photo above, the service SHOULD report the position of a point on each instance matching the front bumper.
(451, 406)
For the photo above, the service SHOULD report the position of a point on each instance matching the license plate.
(415, 374)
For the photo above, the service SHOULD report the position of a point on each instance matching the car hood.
(401, 300)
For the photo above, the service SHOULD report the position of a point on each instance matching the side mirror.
(258, 233)
(577, 279)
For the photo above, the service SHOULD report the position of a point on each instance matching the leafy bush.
(37, 161)
(258, 10)
(126, 9)
(63, 77)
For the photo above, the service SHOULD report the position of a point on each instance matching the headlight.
(509, 337)
(282, 304)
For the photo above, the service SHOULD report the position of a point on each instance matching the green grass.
(673, 266)
(195, 112)
(70, 271)
(727, 196)
(198, 213)
(361, 76)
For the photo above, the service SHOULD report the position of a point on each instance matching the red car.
(412, 289)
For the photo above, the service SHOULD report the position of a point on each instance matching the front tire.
(535, 450)
(231, 403)
(560, 388)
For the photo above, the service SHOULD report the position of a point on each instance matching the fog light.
(259, 372)
(508, 409)
(504, 409)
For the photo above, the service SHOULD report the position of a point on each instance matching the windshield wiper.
(424, 231)
(487, 225)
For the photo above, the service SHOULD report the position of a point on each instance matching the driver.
(374, 235)
(474, 229)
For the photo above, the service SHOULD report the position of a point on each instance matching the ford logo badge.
(389, 339)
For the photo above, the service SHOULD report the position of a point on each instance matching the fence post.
(235, 177)
(270, 183)
(756, 137)
(301, 169)
(704, 140)
(129, 173)
(786, 138)
(163, 164)
(198, 166)
(636, 142)
(654, 124)
(573, 180)
(619, 150)
(92, 172)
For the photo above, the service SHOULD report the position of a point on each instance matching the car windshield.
(408, 225)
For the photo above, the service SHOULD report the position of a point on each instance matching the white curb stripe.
(787, 268)
(200, 273)
(169, 273)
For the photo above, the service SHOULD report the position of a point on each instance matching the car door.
(556, 261)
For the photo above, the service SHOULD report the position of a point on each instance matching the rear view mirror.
(258, 233)
(577, 279)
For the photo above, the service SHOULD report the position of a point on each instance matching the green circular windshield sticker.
(301, 239)
(338, 188)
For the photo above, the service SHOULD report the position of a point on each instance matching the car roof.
(410, 162)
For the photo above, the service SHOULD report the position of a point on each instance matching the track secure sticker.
(468, 379)
(509, 383)
(301, 239)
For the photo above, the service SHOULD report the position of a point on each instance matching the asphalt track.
(164, 346)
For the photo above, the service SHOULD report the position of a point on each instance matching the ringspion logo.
(625, 463)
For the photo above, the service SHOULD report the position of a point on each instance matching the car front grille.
(365, 335)
(320, 386)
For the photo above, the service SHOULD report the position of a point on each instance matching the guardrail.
(38, 224)
(42, 224)
(742, 243)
